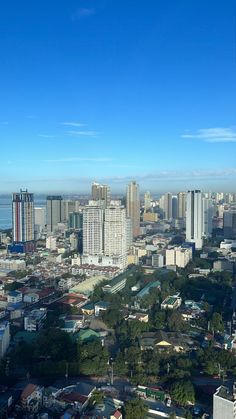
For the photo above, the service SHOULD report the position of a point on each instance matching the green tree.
(135, 409)
(216, 323)
(182, 392)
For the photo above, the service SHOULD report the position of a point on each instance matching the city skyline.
(115, 92)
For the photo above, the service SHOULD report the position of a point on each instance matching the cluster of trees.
(54, 353)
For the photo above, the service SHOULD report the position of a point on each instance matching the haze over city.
(115, 91)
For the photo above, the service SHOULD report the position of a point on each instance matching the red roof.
(72, 397)
(117, 414)
(28, 390)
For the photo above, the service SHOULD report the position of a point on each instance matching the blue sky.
(113, 90)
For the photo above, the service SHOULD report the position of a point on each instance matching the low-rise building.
(14, 297)
(35, 320)
(31, 398)
(171, 302)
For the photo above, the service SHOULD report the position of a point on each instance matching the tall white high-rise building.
(115, 231)
(23, 217)
(224, 403)
(93, 219)
(194, 220)
(133, 206)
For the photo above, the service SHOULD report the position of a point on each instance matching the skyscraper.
(101, 193)
(229, 224)
(23, 217)
(147, 200)
(181, 213)
(54, 212)
(194, 218)
(115, 231)
(207, 216)
(166, 205)
(133, 206)
(93, 231)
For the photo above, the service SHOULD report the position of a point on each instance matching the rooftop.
(225, 393)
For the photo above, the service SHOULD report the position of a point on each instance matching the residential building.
(35, 320)
(229, 224)
(194, 218)
(115, 234)
(93, 218)
(14, 297)
(4, 338)
(101, 193)
(23, 219)
(31, 398)
(51, 243)
(54, 212)
(40, 219)
(178, 256)
(181, 212)
(13, 264)
(75, 221)
(224, 403)
(147, 201)
(207, 216)
(168, 206)
(133, 206)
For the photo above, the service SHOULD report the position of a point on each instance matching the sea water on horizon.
(6, 212)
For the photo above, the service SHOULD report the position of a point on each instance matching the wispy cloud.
(83, 133)
(4, 123)
(83, 12)
(73, 124)
(214, 135)
(46, 136)
(79, 159)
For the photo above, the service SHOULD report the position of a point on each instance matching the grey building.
(54, 212)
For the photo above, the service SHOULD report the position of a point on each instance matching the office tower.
(101, 193)
(54, 212)
(23, 217)
(224, 403)
(194, 218)
(115, 231)
(174, 207)
(93, 230)
(229, 224)
(147, 200)
(207, 216)
(181, 213)
(133, 206)
(75, 221)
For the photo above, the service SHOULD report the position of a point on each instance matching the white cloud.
(214, 135)
(83, 133)
(73, 124)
